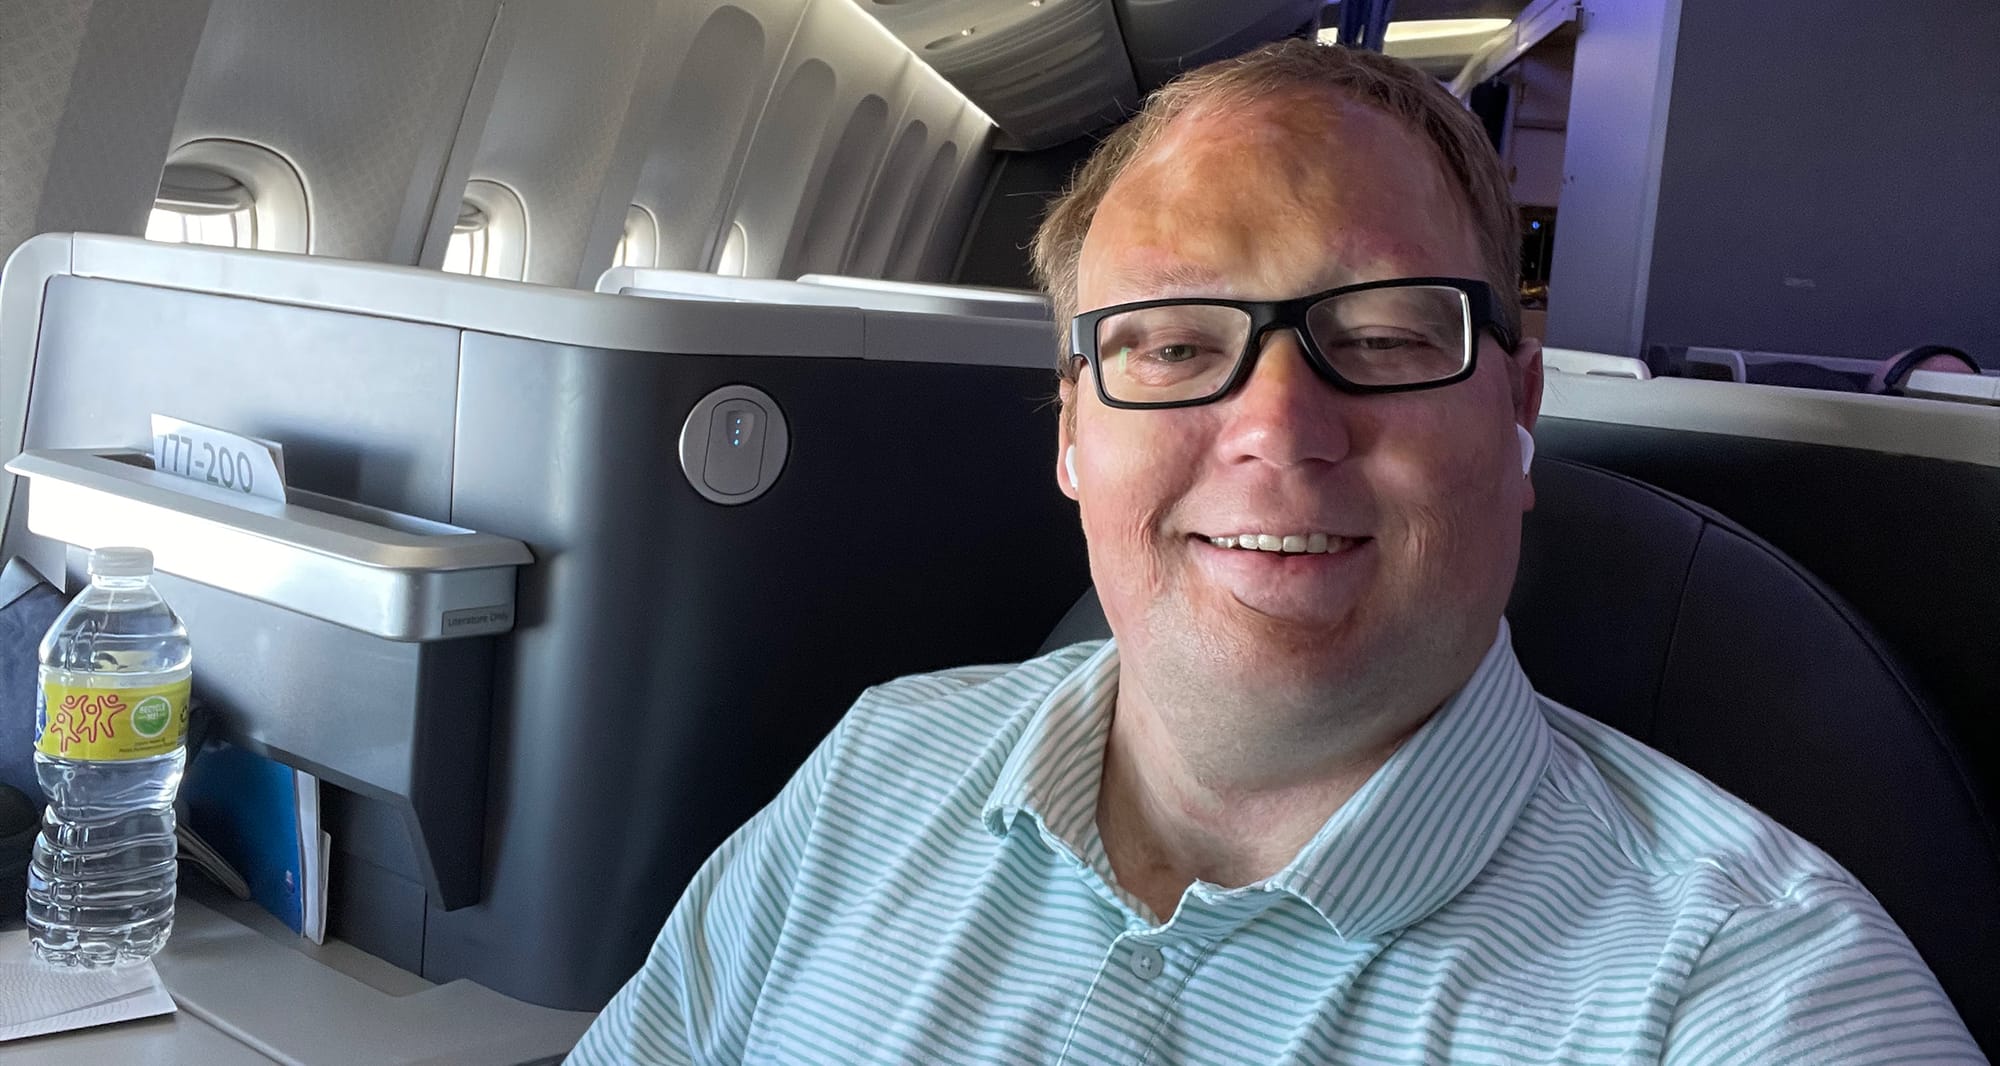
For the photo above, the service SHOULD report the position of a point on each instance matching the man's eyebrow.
(1168, 279)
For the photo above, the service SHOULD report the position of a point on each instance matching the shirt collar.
(1408, 841)
(1053, 771)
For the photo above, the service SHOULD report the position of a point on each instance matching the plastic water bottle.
(110, 731)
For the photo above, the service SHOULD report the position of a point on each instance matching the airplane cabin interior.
(653, 377)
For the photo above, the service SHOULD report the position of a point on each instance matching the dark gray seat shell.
(1678, 627)
(1908, 542)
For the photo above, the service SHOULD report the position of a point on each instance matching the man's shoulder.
(970, 695)
(943, 725)
(993, 686)
(1668, 821)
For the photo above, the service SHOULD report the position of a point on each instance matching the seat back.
(1680, 628)
(1893, 502)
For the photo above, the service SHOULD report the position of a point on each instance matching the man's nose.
(1285, 413)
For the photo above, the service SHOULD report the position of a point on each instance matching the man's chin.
(1262, 642)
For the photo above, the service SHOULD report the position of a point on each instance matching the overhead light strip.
(1411, 31)
(1432, 29)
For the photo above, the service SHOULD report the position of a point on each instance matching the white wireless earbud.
(1069, 464)
(1527, 448)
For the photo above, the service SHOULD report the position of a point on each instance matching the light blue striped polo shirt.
(1518, 883)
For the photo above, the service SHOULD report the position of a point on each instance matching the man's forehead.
(1276, 199)
(1165, 272)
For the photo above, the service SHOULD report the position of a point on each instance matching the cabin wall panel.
(718, 82)
(88, 93)
(780, 117)
(666, 48)
(1829, 184)
(912, 111)
(947, 226)
(1016, 192)
(38, 57)
(779, 169)
(794, 148)
(918, 233)
(565, 98)
(827, 221)
(895, 189)
(925, 207)
(364, 97)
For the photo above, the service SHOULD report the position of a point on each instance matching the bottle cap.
(121, 562)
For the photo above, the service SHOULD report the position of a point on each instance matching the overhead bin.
(672, 657)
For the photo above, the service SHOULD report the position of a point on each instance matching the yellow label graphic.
(108, 724)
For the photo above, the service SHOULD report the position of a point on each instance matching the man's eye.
(1377, 343)
(1162, 353)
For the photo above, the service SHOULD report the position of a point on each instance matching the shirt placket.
(1143, 975)
(1137, 983)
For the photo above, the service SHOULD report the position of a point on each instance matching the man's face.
(1422, 491)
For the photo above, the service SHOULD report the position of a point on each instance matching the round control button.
(734, 444)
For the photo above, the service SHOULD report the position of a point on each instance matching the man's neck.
(1168, 819)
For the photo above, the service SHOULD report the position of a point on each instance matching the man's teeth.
(1291, 543)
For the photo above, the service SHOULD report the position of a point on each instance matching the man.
(1304, 807)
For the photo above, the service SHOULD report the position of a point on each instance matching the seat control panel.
(733, 444)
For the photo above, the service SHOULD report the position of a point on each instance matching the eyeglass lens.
(1393, 336)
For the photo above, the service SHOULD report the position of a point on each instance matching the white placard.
(37, 999)
(249, 465)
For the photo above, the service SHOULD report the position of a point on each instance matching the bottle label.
(105, 724)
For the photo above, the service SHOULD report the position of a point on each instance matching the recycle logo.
(152, 716)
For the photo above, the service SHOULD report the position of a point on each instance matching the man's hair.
(1295, 68)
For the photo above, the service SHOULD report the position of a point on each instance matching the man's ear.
(1527, 360)
(1527, 369)
(1066, 439)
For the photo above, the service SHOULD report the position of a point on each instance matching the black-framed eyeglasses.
(1381, 336)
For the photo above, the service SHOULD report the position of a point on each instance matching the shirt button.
(1146, 962)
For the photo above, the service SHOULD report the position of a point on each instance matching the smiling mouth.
(1287, 544)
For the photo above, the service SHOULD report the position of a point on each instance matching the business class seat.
(1891, 501)
(1677, 626)
(522, 807)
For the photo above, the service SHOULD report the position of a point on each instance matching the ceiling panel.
(1044, 71)
(1166, 37)
(1050, 70)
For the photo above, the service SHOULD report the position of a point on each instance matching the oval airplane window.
(490, 237)
(230, 194)
(639, 245)
(735, 252)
